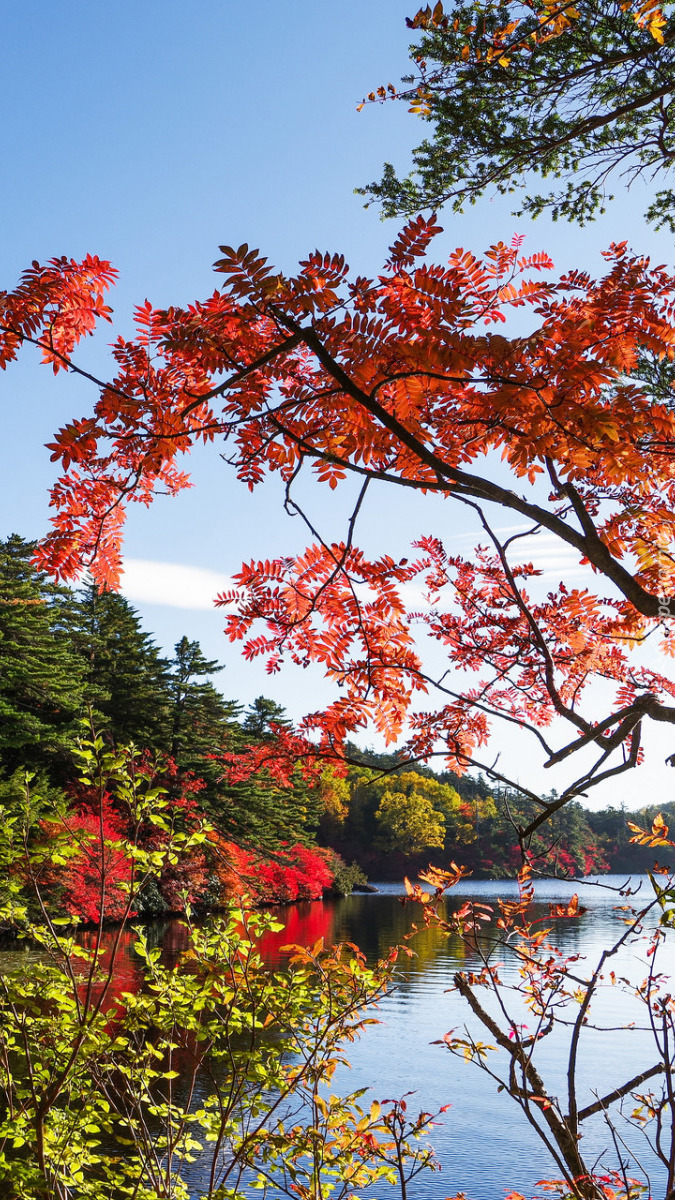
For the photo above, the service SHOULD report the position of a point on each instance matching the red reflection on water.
(304, 924)
(127, 974)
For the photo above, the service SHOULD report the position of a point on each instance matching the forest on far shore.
(71, 661)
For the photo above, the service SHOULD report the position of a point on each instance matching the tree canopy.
(126, 679)
(67, 656)
(413, 381)
(404, 382)
(521, 93)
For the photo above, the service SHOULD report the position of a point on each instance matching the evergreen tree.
(261, 811)
(261, 715)
(199, 715)
(126, 679)
(573, 94)
(40, 675)
(202, 724)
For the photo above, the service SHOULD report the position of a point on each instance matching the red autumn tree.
(290, 873)
(92, 879)
(94, 882)
(405, 382)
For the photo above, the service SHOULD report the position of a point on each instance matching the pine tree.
(261, 811)
(203, 723)
(126, 679)
(199, 714)
(261, 715)
(40, 675)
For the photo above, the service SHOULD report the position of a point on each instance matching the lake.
(484, 1144)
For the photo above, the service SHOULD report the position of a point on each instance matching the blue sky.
(151, 133)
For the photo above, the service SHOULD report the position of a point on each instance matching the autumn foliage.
(90, 846)
(93, 882)
(406, 381)
(292, 873)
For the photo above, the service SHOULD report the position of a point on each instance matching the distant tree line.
(396, 818)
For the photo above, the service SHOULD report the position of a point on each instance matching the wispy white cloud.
(171, 584)
(175, 585)
(556, 560)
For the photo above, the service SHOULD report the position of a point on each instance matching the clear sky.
(150, 133)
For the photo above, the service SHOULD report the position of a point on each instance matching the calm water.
(484, 1144)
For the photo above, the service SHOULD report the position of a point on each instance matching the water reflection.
(484, 1145)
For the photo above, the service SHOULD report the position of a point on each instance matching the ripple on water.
(483, 1143)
